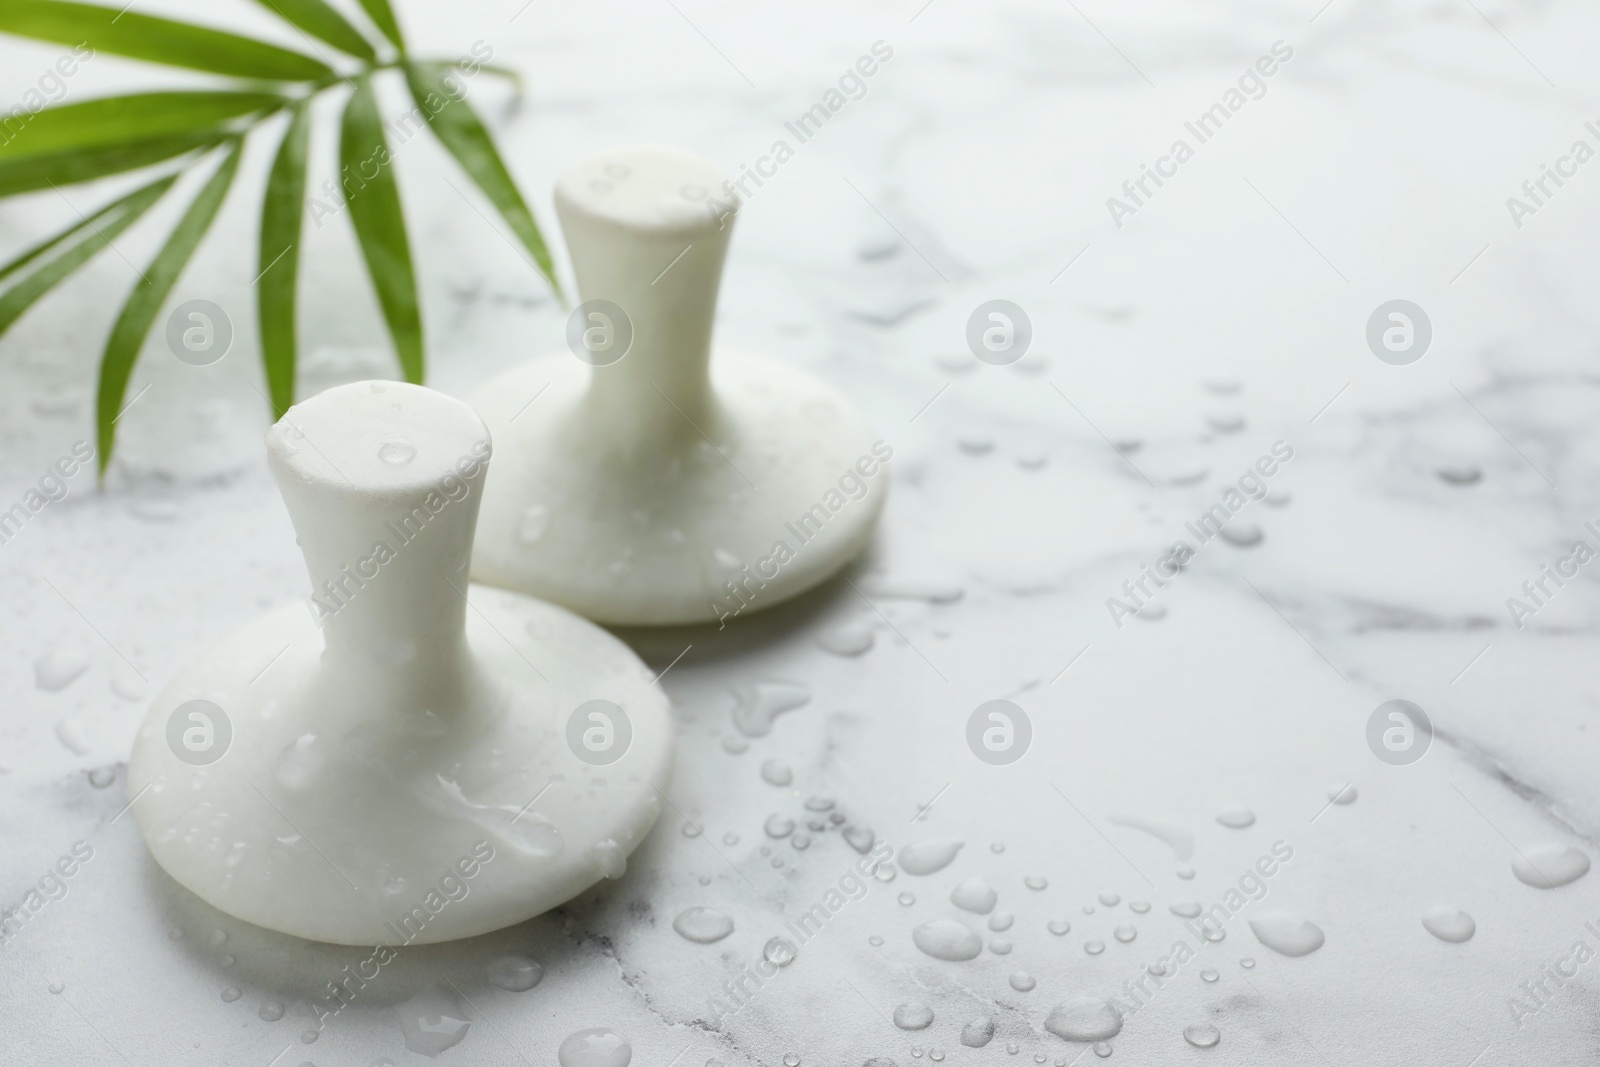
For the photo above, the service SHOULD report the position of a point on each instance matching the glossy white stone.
(671, 478)
(380, 780)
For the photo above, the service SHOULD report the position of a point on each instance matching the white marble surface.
(977, 165)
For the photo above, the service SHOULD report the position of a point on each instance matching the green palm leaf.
(29, 173)
(323, 23)
(460, 130)
(278, 260)
(31, 254)
(117, 120)
(380, 224)
(157, 40)
(382, 16)
(119, 215)
(144, 303)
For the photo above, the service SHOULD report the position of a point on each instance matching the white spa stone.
(636, 487)
(402, 762)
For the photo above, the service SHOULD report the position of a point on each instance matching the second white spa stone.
(638, 480)
(414, 759)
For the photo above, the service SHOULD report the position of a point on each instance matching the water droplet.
(703, 925)
(1449, 924)
(270, 1011)
(735, 744)
(60, 667)
(1058, 926)
(691, 829)
(1286, 933)
(1088, 909)
(1094, 948)
(791, 1060)
(936, 1055)
(1001, 920)
(974, 895)
(947, 939)
(1157, 968)
(778, 826)
(598, 1047)
(975, 446)
(1139, 907)
(515, 974)
(1550, 865)
(1035, 882)
(533, 523)
(1237, 818)
(1185, 872)
(874, 940)
(609, 859)
(431, 1022)
(231, 994)
(885, 872)
(298, 762)
(777, 772)
(1084, 1018)
(1125, 934)
(849, 638)
(819, 803)
(1109, 900)
(1208, 975)
(1242, 535)
(800, 840)
(1022, 982)
(1176, 838)
(860, 838)
(1102, 1049)
(779, 951)
(58, 987)
(730, 838)
(913, 1015)
(978, 1032)
(535, 835)
(75, 736)
(1185, 909)
(1247, 963)
(997, 847)
(927, 857)
(101, 777)
(309, 1037)
(129, 687)
(756, 705)
(1341, 793)
(397, 452)
(1459, 475)
(1000, 946)
(1202, 1035)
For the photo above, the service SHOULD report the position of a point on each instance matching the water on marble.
(928, 857)
(1286, 933)
(947, 939)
